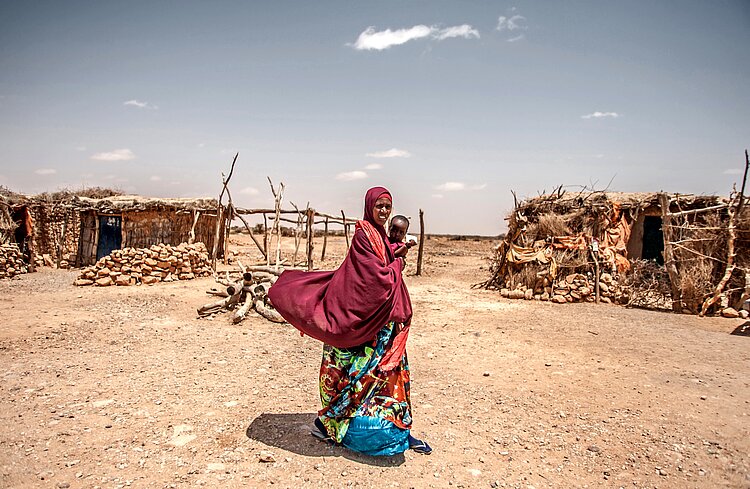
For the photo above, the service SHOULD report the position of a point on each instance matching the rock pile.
(11, 261)
(159, 263)
(573, 288)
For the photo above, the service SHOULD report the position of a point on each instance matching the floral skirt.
(364, 408)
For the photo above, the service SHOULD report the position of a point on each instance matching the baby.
(396, 235)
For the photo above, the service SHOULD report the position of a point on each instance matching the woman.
(361, 312)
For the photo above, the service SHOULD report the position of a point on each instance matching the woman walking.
(361, 312)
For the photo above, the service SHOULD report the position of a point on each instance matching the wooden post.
(597, 295)
(217, 234)
(421, 242)
(346, 228)
(310, 233)
(61, 244)
(265, 237)
(669, 262)
(227, 230)
(325, 240)
(196, 216)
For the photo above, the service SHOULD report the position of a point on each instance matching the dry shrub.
(526, 275)
(89, 192)
(548, 225)
(647, 285)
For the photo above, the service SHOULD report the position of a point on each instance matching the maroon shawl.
(347, 307)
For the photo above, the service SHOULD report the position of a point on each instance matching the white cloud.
(391, 153)
(155, 178)
(480, 186)
(115, 155)
(512, 23)
(374, 166)
(249, 191)
(466, 31)
(139, 104)
(451, 186)
(733, 171)
(437, 196)
(600, 115)
(351, 175)
(45, 171)
(517, 38)
(371, 39)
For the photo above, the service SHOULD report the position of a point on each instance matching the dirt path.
(117, 387)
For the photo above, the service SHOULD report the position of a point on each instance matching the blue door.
(110, 235)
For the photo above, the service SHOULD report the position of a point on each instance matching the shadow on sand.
(291, 432)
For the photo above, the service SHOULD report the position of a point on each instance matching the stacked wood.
(574, 287)
(11, 261)
(247, 292)
(158, 263)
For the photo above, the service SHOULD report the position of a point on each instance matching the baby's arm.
(401, 251)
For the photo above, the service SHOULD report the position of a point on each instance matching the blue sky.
(450, 104)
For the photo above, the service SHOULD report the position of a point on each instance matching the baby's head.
(399, 227)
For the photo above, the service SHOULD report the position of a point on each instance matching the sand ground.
(124, 386)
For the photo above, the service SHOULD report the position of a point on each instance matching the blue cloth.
(375, 436)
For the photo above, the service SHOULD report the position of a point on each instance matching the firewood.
(242, 311)
(268, 312)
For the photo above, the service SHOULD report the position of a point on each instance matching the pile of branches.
(242, 291)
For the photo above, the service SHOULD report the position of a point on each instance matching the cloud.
(155, 178)
(451, 186)
(115, 155)
(600, 115)
(370, 39)
(140, 105)
(391, 153)
(249, 191)
(45, 171)
(512, 23)
(351, 175)
(480, 186)
(374, 166)
(466, 31)
(733, 171)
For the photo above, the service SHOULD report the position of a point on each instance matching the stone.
(266, 457)
(606, 300)
(123, 280)
(148, 279)
(730, 312)
(504, 292)
(558, 299)
(603, 288)
(103, 272)
(606, 278)
(82, 282)
(744, 314)
(584, 291)
(104, 281)
(544, 296)
(187, 276)
(150, 262)
(528, 294)
(575, 295)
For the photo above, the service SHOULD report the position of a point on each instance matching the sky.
(449, 104)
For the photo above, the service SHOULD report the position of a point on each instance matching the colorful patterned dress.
(365, 408)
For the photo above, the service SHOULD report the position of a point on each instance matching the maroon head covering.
(348, 306)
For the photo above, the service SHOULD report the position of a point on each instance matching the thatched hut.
(77, 230)
(647, 249)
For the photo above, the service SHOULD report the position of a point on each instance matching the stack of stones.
(11, 261)
(159, 263)
(573, 288)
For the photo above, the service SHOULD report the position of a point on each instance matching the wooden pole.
(597, 295)
(265, 237)
(669, 262)
(346, 228)
(227, 230)
(220, 212)
(310, 245)
(421, 242)
(61, 244)
(325, 240)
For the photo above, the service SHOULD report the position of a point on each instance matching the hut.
(645, 249)
(73, 230)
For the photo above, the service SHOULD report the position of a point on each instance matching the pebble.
(266, 457)
(486, 374)
(703, 398)
(63, 485)
(594, 449)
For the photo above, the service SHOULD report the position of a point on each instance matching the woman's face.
(382, 211)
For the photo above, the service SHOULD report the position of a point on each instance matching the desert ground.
(125, 387)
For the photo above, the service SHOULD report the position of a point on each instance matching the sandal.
(320, 432)
(419, 446)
